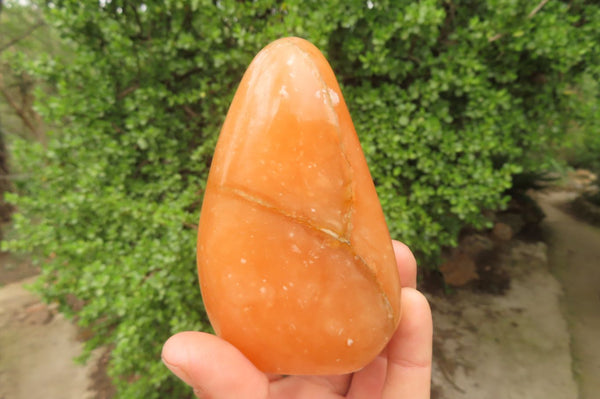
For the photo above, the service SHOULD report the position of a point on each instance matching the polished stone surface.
(295, 260)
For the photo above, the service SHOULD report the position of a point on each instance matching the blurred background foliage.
(111, 111)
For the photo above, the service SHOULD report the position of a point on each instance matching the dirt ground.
(533, 336)
(539, 339)
(514, 345)
(37, 348)
(14, 269)
(574, 253)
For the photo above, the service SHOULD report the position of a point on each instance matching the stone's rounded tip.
(295, 260)
(299, 42)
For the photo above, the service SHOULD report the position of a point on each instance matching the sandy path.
(575, 260)
(511, 346)
(37, 348)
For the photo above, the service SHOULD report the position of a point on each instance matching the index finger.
(407, 264)
(409, 351)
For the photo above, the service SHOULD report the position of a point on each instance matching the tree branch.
(531, 14)
(190, 112)
(138, 20)
(17, 176)
(128, 91)
(18, 111)
(28, 32)
(536, 9)
(495, 37)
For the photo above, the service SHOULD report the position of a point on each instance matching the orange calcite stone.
(295, 260)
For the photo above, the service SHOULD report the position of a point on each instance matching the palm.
(368, 382)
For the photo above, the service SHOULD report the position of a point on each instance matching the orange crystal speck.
(295, 260)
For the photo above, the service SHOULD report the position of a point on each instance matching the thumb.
(213, 367)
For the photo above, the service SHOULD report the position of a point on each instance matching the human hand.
(216, 369)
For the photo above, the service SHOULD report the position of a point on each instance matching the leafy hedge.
(581, 147)
(450, 99)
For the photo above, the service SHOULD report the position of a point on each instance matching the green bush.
(581, 146)
(450, 100)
